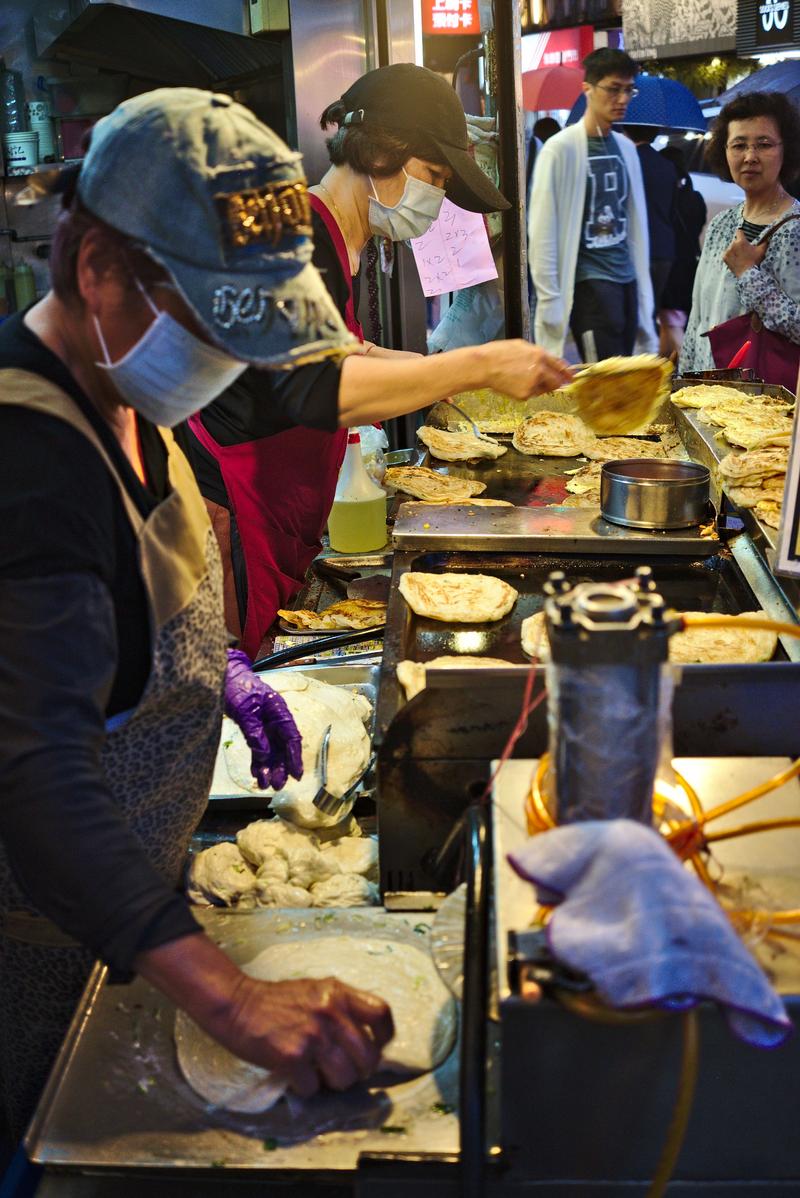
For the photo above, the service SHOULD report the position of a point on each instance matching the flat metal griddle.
(116, 1100)
(714, 584)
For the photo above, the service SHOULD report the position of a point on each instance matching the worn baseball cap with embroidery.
(220, 201)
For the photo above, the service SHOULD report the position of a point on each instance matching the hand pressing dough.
(222, 876)
(424, 1013)
(344, 890)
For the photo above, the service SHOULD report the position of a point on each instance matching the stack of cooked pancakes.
(752, 421)
(428, 485)
(457, 598)
(757, 479)
(451, 445)
(553, 435)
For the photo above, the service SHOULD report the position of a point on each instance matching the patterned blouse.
(772, 290)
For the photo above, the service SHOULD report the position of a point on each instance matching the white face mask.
(412, 215)
(169, 374)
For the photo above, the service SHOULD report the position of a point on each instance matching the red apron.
(280, 490)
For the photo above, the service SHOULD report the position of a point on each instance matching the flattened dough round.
(460, 598)
(723, 644)
(425, 1017)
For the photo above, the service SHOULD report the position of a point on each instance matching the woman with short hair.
(743, 267)
(267, 453)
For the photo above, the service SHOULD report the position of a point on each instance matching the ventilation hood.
(149, 39)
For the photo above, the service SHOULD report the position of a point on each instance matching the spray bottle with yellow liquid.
(357, 523)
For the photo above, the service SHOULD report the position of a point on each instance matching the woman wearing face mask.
(113, 665)
(267, 453)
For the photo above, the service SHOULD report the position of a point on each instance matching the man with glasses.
(587, 225)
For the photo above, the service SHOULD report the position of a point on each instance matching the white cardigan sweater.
(554, 230)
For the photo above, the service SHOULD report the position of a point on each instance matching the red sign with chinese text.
(557, 48)
(450, 16)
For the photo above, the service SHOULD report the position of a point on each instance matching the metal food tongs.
(324, 801)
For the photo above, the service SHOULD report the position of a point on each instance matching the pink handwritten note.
(454, 253)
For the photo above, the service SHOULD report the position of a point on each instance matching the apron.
(280, 490)
(161, 757)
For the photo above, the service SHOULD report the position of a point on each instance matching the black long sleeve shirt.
(74, 650)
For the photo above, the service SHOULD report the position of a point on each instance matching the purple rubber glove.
(267, 724)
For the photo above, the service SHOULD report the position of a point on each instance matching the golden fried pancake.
(431, 486)
(349, 613)
(609, 449)
(553, 435)
(454, 446)
(586, 481)
(722, 644)
(699, 395)
(753, 465)
(619, 395)
(457, 598)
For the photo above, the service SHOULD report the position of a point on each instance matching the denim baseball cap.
(220, 201)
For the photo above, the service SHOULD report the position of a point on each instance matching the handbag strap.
(765, 237)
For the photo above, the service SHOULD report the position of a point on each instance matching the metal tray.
(363, 679)
(714, 584)
(320, 589)
(116, 1100)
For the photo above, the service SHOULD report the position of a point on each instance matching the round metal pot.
(654, 493)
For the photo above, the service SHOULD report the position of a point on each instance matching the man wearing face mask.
(114, 671)
(400, 146)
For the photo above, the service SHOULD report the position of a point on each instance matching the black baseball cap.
(407, 99)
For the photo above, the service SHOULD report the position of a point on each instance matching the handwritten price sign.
(454, 253)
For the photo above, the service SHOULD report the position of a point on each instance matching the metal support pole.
(508, 100)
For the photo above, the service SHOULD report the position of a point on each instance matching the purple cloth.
(643, 928)
(267, 724)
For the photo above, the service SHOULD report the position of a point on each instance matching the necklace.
(768, 212)
(354, 262)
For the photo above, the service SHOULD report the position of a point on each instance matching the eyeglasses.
(762, 146)
(616, 91)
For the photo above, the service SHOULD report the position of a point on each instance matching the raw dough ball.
(273, 869)
(281, 894)
(344, 890)
(355, 856)
(307, 865)
(220, 875)
(263, 837)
